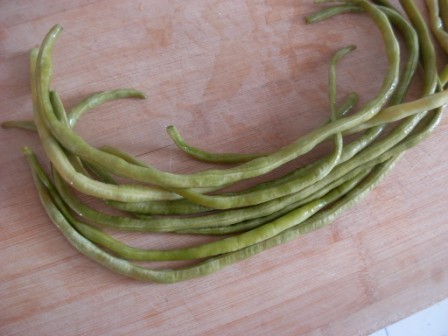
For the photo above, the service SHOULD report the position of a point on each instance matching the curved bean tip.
(6, 125)
(27, 150)
(56, 28)
(309, 19)
(141, 95)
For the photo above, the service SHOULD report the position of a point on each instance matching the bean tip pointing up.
(27, 150)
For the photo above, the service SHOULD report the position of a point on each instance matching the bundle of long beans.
(255, 218)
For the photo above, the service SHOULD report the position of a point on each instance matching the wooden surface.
(233, 76)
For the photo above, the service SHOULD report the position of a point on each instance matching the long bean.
(398, 112)
(186, 207)
(170, 224)
(427, 56)
(369, 153)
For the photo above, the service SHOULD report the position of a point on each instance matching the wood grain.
(232, 76)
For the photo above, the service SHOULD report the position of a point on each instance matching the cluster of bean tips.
(255, 218)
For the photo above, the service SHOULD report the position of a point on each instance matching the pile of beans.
(366, 142)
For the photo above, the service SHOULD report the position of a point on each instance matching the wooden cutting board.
(247, 76)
